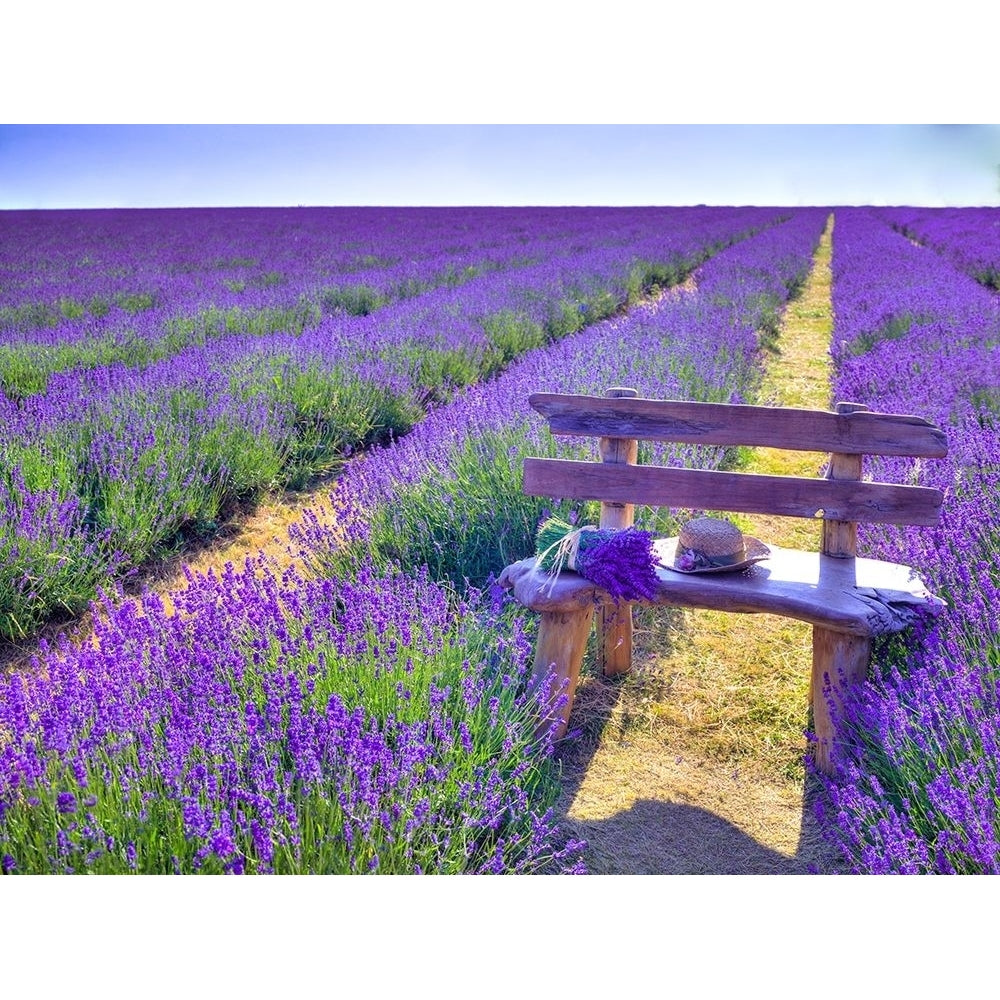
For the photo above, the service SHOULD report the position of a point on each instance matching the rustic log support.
(615, 623)
(562, 640)
(840, 538)
(840, 660)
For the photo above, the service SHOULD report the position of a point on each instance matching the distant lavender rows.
(71, 276)
(361, 722)
(594, 272)
(921, 786)
(184, 259)
(969, 237)
(197, 255)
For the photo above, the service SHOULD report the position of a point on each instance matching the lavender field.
(370, 711)
(916, 331)
(158, 368)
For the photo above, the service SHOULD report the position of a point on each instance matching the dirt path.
(693, 764)
(260, 528)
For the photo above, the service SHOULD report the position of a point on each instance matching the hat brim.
(756, 551)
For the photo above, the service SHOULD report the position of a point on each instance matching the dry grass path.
(694, 763)
(261, 528)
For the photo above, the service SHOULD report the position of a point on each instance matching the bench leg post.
(839, 660)
(562, 640)
(615, 621)
(615, 630)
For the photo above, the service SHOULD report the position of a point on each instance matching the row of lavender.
(368, 719)
(970, 237)
(86, 289)
(109, 462)
(66, 266)
(919, 788)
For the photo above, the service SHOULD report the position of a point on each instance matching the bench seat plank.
(864, 597)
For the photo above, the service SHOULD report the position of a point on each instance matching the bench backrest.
(842, 499)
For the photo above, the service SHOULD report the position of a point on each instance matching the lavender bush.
(377, 724)
(969, 237)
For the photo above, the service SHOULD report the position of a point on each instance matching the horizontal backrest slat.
(861, 433)
(841, 500)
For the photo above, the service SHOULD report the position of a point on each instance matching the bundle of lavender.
(621, 561)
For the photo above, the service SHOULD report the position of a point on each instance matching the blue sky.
(402, 86)
(91, 166)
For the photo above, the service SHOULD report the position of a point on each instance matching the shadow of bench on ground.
(670, 836)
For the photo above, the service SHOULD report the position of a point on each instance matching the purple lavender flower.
(918, 777)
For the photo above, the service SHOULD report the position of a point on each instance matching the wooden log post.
(562, 640)
(840, 538)
(839, 660)
(615, 650)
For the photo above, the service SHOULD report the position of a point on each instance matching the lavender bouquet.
(620, 560)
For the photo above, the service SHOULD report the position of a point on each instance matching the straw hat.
(711, 545)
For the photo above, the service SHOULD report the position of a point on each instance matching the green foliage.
(25, 368)
(213, 322)
(437, 372)
(29, 316)
(20, 374)
(367, 261)
(98, 306)
(336, 412)
(648, 277)
(510, 334)
(269, 279)
(564, 317)
(42, 580)
(54, 569)
(986, 401)
(224, 263)
(988, 275)
(135, 302)
(453, 276)
(47, 465)
(71, 309)
(239, 463)
(355, 300)
(178, 480)
(891, 328)
(409, 288)
(766, 311)
(466, 521)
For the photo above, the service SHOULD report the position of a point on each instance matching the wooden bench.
(848, 600)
